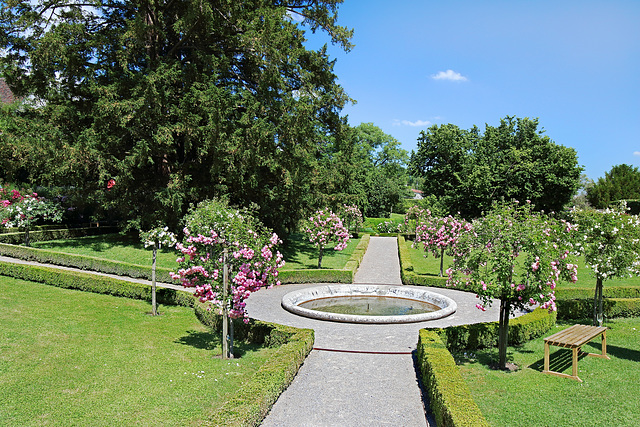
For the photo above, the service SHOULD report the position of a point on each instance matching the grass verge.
(527, 397)
(76, 358)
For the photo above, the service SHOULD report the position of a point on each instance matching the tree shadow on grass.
(213, 342)
(297, 245)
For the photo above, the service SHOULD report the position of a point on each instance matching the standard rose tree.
(611, 246)
(23, 211)
(226, 255)
(515, 255)
(156, 238)
(440, 235)
(325, 227)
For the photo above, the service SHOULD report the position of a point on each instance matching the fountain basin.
(411, 298)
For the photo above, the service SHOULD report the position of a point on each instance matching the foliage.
(611, 247)
(449, 396)
(467, 170)
(213, 229)
(25, 210)
(620, 183)
(175, 102)
(438, 235)
(351, 218)
(325, 227)
(389, 227)
(517, 256)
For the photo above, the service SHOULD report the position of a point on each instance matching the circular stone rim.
(291, 301)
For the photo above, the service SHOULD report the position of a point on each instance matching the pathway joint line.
(362, 351)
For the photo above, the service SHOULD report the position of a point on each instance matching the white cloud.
(449, 75)
(636, 153)
(423, 123)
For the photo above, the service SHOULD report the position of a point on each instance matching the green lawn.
(370, 224)
(300, 254)
(73, 358)
(430, 266)
(607, 397)
(114, 247)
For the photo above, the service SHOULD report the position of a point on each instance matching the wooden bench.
(574, 338)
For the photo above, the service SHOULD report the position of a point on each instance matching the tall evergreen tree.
(179, 100)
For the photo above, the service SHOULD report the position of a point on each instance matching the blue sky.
(575, 65)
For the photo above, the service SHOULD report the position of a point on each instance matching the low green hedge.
(574, 309)
(255, 398)
(317, 275)
(44, 234)
(481, 335)
(406, 270)
(607, 292)
(83, 262)
(94, 283)
(449, 396)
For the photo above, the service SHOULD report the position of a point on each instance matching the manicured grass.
(300, 254)
(370, 224)
(74, 358)
(607, 397)
(114, 247)
(430, 266)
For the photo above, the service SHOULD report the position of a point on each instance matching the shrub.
(449, 396)
(481, 335)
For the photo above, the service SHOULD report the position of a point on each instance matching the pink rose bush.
(325, 227)
(23, 211)
(250, 257)
(440, 235)
(517, 256)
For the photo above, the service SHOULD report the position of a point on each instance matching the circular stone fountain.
(368, 304)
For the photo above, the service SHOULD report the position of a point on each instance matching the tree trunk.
(441, 261)
(154, 311)
(227, 333)
(320, 257)
(503, 333)
(598, 315)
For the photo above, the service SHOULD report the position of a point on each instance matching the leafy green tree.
(178, 101)
(468, 170)
(622, 182)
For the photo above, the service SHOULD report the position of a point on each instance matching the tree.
(440, 234)
(517, 256)
(23, 211)
(325, 227)
(467, 170)
(227, 255)
(156, 238)
(622, 182)
(180, 101)
(611, 247)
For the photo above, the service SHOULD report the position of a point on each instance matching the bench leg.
(604, 344)
(574, 367)
(546, 357)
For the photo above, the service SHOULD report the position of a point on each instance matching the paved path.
(355, 386)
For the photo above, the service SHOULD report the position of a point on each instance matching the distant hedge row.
(46, 233)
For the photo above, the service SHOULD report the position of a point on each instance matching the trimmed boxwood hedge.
(82, 262)
(449, 396)
(94, 283)
(406, 270)
(255, 398)
(45, 233)
(481, 335)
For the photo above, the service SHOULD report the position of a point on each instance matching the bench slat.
(575, 336)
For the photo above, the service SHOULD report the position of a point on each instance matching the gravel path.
(350, 378)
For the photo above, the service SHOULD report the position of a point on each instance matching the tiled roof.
(6, 96)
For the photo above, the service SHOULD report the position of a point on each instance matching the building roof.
(6, 96)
